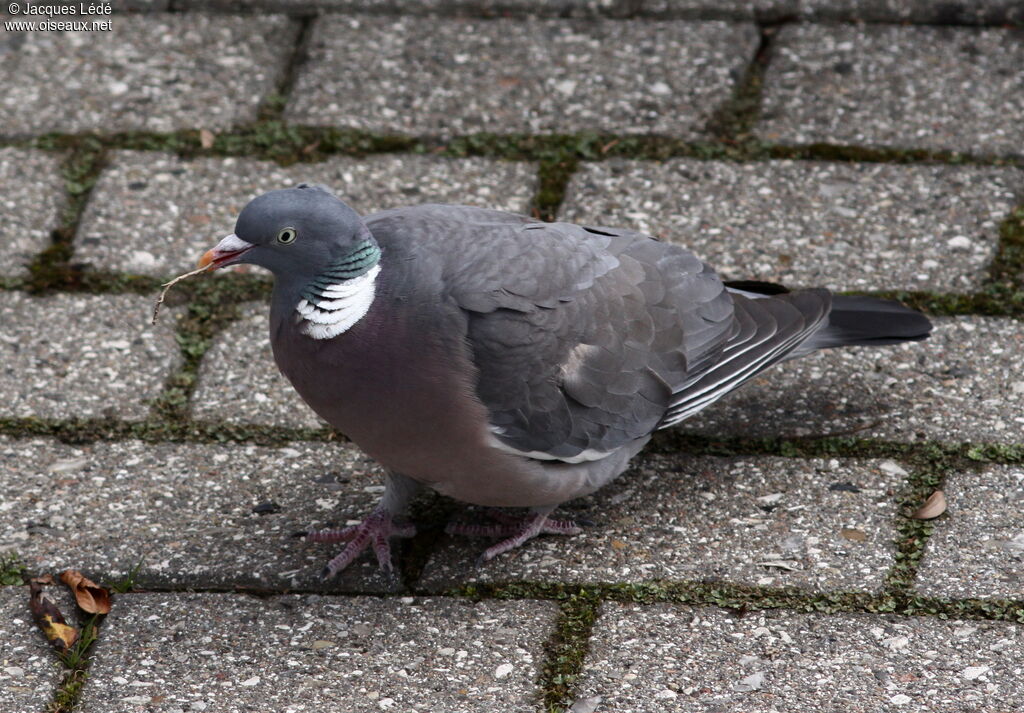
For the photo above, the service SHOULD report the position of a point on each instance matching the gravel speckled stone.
(763, 10)
(31, 195)
(813, 524)
(908, 87)
(82, 356)
(977, 549)
(962, 384)
(29, 670)
(155, 214)
(239, 382)
(194, 515)
(445, 76)
(486, 8)
(313, 654)
(670, 659)
(150, 72)
(949, 12)
(810, 223)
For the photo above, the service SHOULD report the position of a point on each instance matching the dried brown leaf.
(934, 506)
(49, 619)
(206, 138)
(91, 597)
(45, 579)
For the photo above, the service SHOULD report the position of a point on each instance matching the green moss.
(12, 569)
(1007, 268)
(82, 431)
(68, 693)
(996, 453)
(210, 304)
(733, 123)
(566, 650)
(742, 597)
(931, 465)
(993, 300)
(52, 268)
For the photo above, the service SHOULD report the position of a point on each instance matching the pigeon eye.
(286, 236)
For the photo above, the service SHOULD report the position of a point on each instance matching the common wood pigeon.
(504, 361)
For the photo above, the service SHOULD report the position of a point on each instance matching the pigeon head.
(301, 233)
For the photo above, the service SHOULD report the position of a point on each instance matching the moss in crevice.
(993, 300)
(12, 569)
(1007, 268)
(566, 650)
(52, 268)
(210, 305)
(743, 597)
(84, 431)
(929, 468)
(733, 122)
(996, 453)
(66, 697)
(271, 138)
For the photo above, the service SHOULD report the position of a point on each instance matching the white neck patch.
(343, 304)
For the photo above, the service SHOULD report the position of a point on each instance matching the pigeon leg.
(376, 530)
(516, 530)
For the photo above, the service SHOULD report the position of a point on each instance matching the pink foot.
(375, 530)
(516, 531)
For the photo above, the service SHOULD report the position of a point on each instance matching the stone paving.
(814, 524)
(155, 73)
(313, 653)
(684, 659)
(546, 82)
(155, 214)
(896, 86)
(28, 672)
(980, 551)
(774, 568)
(798, 222)
(32, 201)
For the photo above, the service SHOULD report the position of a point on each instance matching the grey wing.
(765, 331)
(586, 339)
(580, 336)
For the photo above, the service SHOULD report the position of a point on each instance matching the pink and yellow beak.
(226, 252)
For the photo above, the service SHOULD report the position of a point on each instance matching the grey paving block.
(150, 72)
(82, 356)
(963, 384)
(239, 382)
(29, 670)
(814, 524)
(964, 12)
(194, 652)
(32, 195)
(442, 76)
(672, 659)
(485, 8)
(977, 549)
(194, 515)
(155, 214)
(907, 87)
(140, 5)
(810, 223)
(762, 10)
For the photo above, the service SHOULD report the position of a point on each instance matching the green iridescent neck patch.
(361, 260)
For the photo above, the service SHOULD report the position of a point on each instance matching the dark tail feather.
(867, 321)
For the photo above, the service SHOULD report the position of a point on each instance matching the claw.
(516, 530)
(376, 531)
